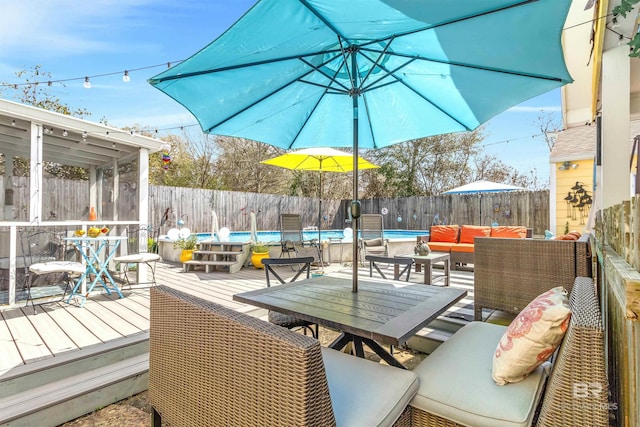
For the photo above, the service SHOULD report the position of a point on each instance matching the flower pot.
(186, 255)
(256, 259)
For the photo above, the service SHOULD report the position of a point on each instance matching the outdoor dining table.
(91, 249)
(381, 312)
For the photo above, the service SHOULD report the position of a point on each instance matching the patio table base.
(345, 338)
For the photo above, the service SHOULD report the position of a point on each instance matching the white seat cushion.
(141, 257)
(365, 393)
(456, 382)
(57, 267)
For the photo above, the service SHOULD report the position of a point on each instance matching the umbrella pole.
(355, 202)
(320, 254)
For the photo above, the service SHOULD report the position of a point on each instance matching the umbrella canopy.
(483, 187)
(369, 73)
(321, 159)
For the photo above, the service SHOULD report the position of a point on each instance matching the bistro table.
(381, 312)
(90, 248)
(427, 261)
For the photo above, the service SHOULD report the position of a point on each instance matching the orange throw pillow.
(509, 231)
(469, 232)
(444, 233)
(532, 337)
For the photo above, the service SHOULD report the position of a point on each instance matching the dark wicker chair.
(509, 273)
(576, 391)
(212, 366)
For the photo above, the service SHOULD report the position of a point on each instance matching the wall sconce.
(567, 165)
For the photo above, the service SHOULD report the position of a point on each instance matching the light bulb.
(84, 136)
(125, 77)
(621, 40)
(87, 83)
(65, 133)
(13, 122)
(614, 23)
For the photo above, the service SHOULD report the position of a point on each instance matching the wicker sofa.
(458, 240)
(456, 387)
(212, 366)
(508, 273)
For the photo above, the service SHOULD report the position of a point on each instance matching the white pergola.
(45, 136)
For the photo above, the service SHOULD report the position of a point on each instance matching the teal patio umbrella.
(369, 73)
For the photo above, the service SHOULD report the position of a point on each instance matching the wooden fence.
(530, 208)
(616, 244)
(68, 200)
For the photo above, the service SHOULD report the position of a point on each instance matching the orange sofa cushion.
(509, 231)
(441, 246)
(470, 232)
(462, 247)
(444, 233)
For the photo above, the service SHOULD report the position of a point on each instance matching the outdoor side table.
(90, 248)
(427, 261)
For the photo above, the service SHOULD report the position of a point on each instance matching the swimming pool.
(325, 235)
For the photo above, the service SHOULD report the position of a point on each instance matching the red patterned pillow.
(532, 337)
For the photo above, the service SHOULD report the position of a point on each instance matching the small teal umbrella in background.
(369, 73)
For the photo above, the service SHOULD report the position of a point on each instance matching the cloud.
(533, 109)
(44, 28)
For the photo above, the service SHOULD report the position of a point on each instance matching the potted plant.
(188, 245)
(259, 251)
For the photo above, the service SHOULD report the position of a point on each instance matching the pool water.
(274, 236)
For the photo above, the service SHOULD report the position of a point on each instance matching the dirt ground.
(136, 411)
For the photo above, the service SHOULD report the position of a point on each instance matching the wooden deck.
(59, 328)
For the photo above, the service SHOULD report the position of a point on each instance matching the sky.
(71, 39)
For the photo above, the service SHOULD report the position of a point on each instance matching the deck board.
(51, 333)
(26, 337)
(75, 330)
(95, 324)
(10, 354)
(58, 328)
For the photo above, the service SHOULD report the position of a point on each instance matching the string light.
(87, 83)
(13, 122)
(65, 133)
(86, 78)
(614, 23)
(125, 77)
(84, 136)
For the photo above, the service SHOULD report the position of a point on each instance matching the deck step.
(32, 375)
(225, 253)
(60, 401)
(230, 256)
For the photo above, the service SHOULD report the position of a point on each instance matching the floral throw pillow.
(532, 336)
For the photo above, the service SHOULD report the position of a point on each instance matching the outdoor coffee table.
(427, 261)
(381, 312)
